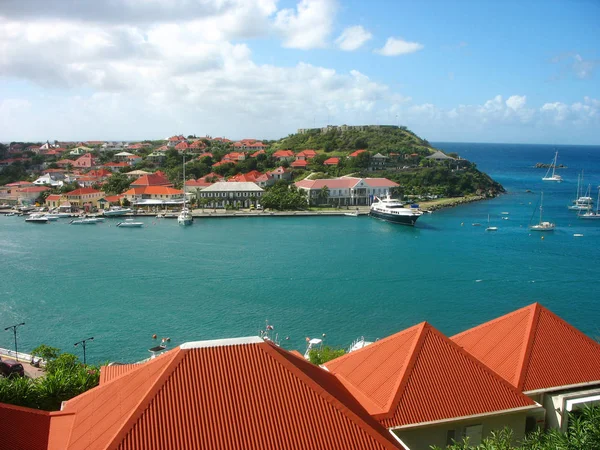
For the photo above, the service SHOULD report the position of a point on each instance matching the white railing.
(21, 357)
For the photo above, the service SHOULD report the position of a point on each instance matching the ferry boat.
(393, 210)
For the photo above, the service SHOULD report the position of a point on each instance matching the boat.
(129, 223)
(115, 211)
(542, 226)
(489, 228)
(37, 218)
(86, 221)
(590, 215)
(351, 214)
(581, 202)
(476, 224)
(359, 343)
(185, 216)
(554, 176)
(311, 344)
(393, 210)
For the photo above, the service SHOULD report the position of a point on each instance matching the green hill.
(375, 138)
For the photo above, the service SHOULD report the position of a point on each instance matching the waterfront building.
(428, 391)
(235, 193)
(541, 355)
(84, 197)
(54, 200)
(154, 195)
(347, 191)
(154, 179)
(28, 195)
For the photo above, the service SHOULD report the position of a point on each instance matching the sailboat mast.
(554, 165)
(541, 206)
(183, 153)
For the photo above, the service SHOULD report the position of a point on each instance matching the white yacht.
(393, 210)
(554, 176)
(130, 223)
(37, 218)
(86, 221)
(115, 211)
(591, 215)
(185, 216)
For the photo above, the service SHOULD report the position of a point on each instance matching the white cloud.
(516, 102)
(395, 47)
(308, 26)
(352, 38)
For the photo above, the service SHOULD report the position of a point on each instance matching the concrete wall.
(555, 404)
(422, 438)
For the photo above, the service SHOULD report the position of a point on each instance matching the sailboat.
(590, 214)
(554, 176)
(185, 216)
(542, 226)
(490, 228)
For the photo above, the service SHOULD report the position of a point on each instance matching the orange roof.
(228, 394)
(153, 179)
(331, 162)
(152, 190)
(83, 191)
(283, 154)
(24, 428)
(356, 153)
(113, 198)
(533, 349)
(401, 379)
(299, 163)
(53, 197)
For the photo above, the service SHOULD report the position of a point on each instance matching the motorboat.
(541, 225)
(115, 211)
(86, 221)
(37, 218)
(130, 223)
(591, 215)
(554, 176)
(351, 214)
(393, 210)
(310, 345)
(185, 217)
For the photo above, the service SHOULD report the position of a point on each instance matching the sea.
(337, 278)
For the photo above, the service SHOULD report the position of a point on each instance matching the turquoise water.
(341, 276)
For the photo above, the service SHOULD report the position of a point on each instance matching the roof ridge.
(490, 322)
(147, 398)
(334, 401)
(530, 333)
(404, 376)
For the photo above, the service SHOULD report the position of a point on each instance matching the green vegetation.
(116, 184)
(375, 139)
(65, 378)
(284, 197)
(583, 434)
(326, 353)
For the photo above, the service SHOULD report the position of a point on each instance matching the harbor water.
(341, 276)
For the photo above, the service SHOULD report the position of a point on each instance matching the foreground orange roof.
(23, 428)
(534, 349)
(229, 394)
(419, 375)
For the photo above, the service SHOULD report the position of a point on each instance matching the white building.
(347, 191)
(233, 193)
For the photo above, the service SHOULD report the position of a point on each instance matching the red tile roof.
(23, 428)
(113, 198)
(256, 153)
(299, 163)
(153, 179)
(283, 154)
(380, 182)
(82, 191)
(534, 349)
(356, 153)
(222, 163)
(53, 197)
(419, 375)
(230, 394)
(33, 189)
(153, 190)
(331, 161)
(182, 146)
(116, 164)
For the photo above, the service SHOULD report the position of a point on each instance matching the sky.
(462, 71)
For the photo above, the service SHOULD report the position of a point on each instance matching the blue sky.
(478, 71)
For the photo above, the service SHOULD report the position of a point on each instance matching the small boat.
(359, 343)
(115, 211)
(505, 218)
(489, 228)
(476, 224)
(37, 218)
(10, 214)
(578, 235)
(129, 223)
(542, 226)
(581, 202)
(554, 176)
(88, 221)
(311, 344)
(504, 213)
(351, 214)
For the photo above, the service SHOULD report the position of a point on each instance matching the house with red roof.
(331, 161)
(174, 140)
(283, 155)
(223, 162)
(428, 391)
(347, 191)
(182, 146)
(153, 179)
(248, 177)
(28, 195)
(234, 156)
(281, 173)
(54, 200)
(64, 163)
(259, 152)
(197, 145)
(153, 195)
(306, 155)
(299, 164)
(86, 161)
(542, 356)
(115, 166)
(84, 197)
(356, 153)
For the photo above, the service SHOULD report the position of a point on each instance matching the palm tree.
(323, 194)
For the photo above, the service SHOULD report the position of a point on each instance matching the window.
(474, 433)
(450, 437)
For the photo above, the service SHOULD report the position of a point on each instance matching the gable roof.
(24, 428)
(153, 179)
(332, 161)
(401, 379)
(227, 394)
(534, 349)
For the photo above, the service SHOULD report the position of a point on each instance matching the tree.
(116, 184)
(326, 353)
(323, 194)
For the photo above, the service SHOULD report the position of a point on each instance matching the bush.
(326, 353)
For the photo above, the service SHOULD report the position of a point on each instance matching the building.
(299, 164)
(154, 195)
(153, 179)
(283, 155)
(542, 356)
(428, 391)
(79, 151)
(116, 166)
(439, 156)
(278, 174)
(226, 193)
(331, 161)
(84, 197)
(54, 200)
(86, 161)
(347, 191)
(306, 154)
(28, 195)
(377, 162)
(227, 394)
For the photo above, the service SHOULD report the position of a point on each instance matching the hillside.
(375, 138)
